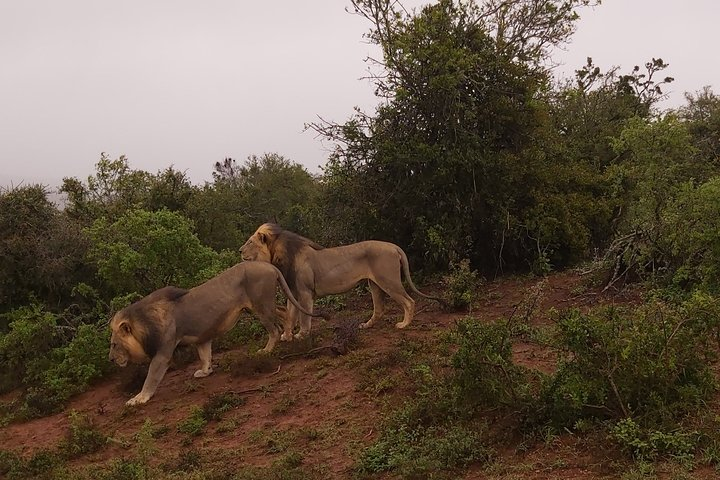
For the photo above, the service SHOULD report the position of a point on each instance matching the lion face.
(124, 346)
(256, 248)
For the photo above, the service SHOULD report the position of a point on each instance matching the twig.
(249, 390)
(308, 352)
(617, 394)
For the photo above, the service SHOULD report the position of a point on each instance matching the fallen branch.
(264, 388)
(333, 348)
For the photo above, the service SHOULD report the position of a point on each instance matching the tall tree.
(452, 155)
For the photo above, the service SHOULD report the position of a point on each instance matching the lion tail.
(286, 290)
(406, 271)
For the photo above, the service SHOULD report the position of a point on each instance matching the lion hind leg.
(378, 300)
(287, 315)
(269, 321)
(205, 353)
(395, 290)
(408, 304)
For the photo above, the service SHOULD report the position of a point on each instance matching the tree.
(116, 188)
(142, 251)
(702, 114)
(268, 188)
(41, 249)
(453, 156)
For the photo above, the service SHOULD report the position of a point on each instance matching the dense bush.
(431, 436)
(143, 251)
(643, 363)
(50, 358)
(638, 372)
(484, 372)
(461, 285)
(24, 348)
(41, 249)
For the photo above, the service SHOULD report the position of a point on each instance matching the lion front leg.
(305, 321)
(205, 353)
(158, 366)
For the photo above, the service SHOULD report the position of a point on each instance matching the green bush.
(82, 437)
(484, 372)
(194, 424)
(417, 446)
(78, 363)
(432, 436)
(142, 251)
(616, 363)
(462, 285)
(50, 358)
(24, 348)
(43, 464)
(213, 410)
(648, 444)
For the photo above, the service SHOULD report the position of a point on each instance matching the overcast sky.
(188, 83)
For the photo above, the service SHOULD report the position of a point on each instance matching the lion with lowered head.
(152, 327)
(313, 271)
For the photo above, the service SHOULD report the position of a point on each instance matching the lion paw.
(366, 324)
(286, 337)
(300, 335)
(202, 373)
(401, 324)
(138, 399)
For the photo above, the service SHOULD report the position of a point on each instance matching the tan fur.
(313, 271)
(152, 327)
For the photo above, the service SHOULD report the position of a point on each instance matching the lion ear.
(263, 237)
(124, 327)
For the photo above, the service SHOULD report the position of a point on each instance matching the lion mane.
(152, 327)
(284, 247)
(314, 271)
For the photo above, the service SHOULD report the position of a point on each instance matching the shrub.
(194, 424)
(462, 285)
(79, 362)
(643, 363)
(648, 444)
(43, 464)
(429, 437)
(484, 373)
(415, 450)
(143, 251)
(213, 410)
(24, 348)
(52, 361)
(82, 437)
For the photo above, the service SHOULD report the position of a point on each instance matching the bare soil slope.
(325, 407)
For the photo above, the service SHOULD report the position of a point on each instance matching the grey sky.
(188, 83)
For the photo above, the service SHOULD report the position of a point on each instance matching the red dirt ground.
(325, 406)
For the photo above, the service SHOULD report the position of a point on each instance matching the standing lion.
(313, 271)
(152, 327)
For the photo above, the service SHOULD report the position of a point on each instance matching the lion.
(313, 271)
(152, 327)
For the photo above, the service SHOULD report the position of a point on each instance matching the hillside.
(309, 416)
